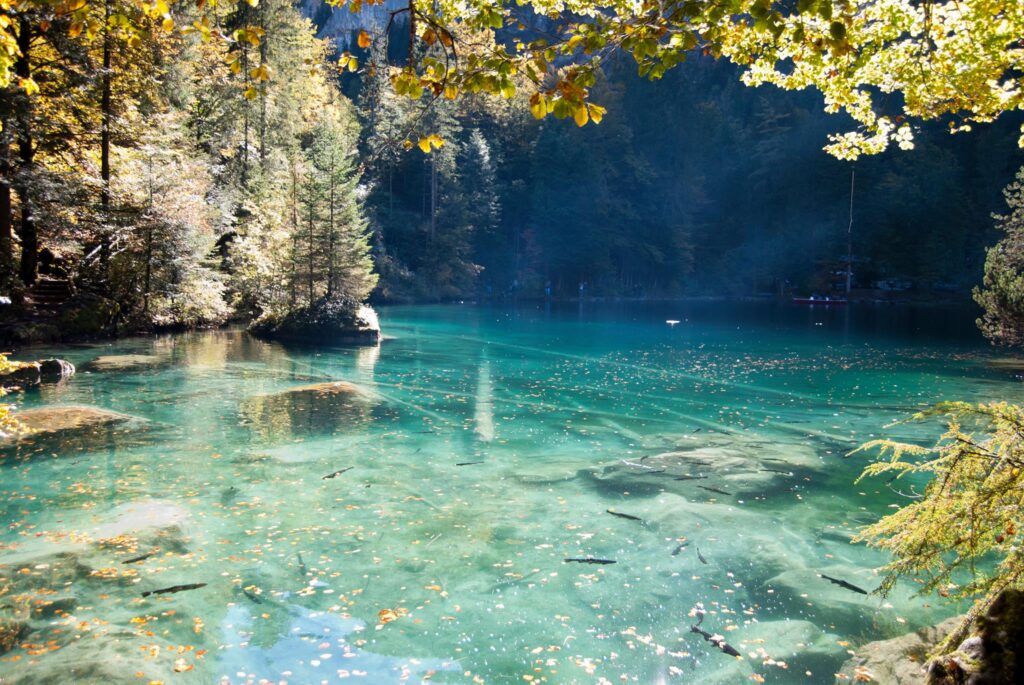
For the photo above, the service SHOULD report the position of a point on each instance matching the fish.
(720, 492)
(172, 589)
(228, 495)
(716, 640)
(141, 557)
(625, 516)
(679, 548)
(337, 473)
(690, 478)
(253, 597)
(843, 584)
(468, 463)
(302, 565)
(590, 560)
(700, 556)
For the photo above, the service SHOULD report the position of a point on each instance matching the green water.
(725, 434)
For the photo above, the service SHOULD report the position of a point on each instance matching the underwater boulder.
(122, 362)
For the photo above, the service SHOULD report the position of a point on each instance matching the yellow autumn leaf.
(75, 29)
(251, 93)
(168, 24)
(580, 115)
(424, 145)
(538, 106)
(29, 86)
(596, 113)
(363, 40)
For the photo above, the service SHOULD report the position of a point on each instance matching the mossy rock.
(335, 321)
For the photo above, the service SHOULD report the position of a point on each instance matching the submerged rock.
(123, 362)
(709, 466)
(69, 429)
(70, 418)
(310, 409)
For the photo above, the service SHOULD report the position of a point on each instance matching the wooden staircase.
(47, 294)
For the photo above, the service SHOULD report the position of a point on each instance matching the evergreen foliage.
(961, 538)
(1002, 292)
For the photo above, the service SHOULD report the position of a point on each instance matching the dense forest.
(248, 177)
(694, 185)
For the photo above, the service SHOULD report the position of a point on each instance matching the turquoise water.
(483, 448)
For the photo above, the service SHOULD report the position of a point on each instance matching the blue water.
(483, 447)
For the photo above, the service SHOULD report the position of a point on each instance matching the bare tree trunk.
(263, 100)
(433, 196)
(295, 233)
(105, 114)
(105, 119)
(330, 234)
(312, 204)
(26, 159)
(6, 220)
(149, 244)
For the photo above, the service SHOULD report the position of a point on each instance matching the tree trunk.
(263, 100)
(330, 235)
(295, 234)
(105, 119)
(6, 221)
(312, 204)
(433, 196)
(105, 115)
(26, 159)
(149, 244)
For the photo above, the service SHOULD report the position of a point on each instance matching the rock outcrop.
(899, 661)
(990, 655)
(327, 321)
(30, 374)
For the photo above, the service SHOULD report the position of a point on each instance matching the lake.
(416, 520)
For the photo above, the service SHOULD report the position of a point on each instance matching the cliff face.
(339, 24)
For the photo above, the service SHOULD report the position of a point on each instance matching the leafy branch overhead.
(885, 63)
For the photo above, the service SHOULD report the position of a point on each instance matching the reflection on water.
(406, 511)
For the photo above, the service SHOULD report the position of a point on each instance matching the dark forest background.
(692, 185)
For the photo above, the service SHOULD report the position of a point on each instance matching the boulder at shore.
(899, 661)
(29, 374)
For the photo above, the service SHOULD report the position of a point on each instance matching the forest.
(166, 181)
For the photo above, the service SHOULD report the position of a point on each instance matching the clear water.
(569, 412)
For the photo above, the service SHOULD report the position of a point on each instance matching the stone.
(320, 408)
(122, 362)
(55, 370)
(11, 633)
(898, 661)
(334, 321)
(22, 376)
(990, 656)
(67, 418)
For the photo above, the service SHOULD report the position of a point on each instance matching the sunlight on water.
(403, 512)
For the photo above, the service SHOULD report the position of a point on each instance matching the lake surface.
(414, 523)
